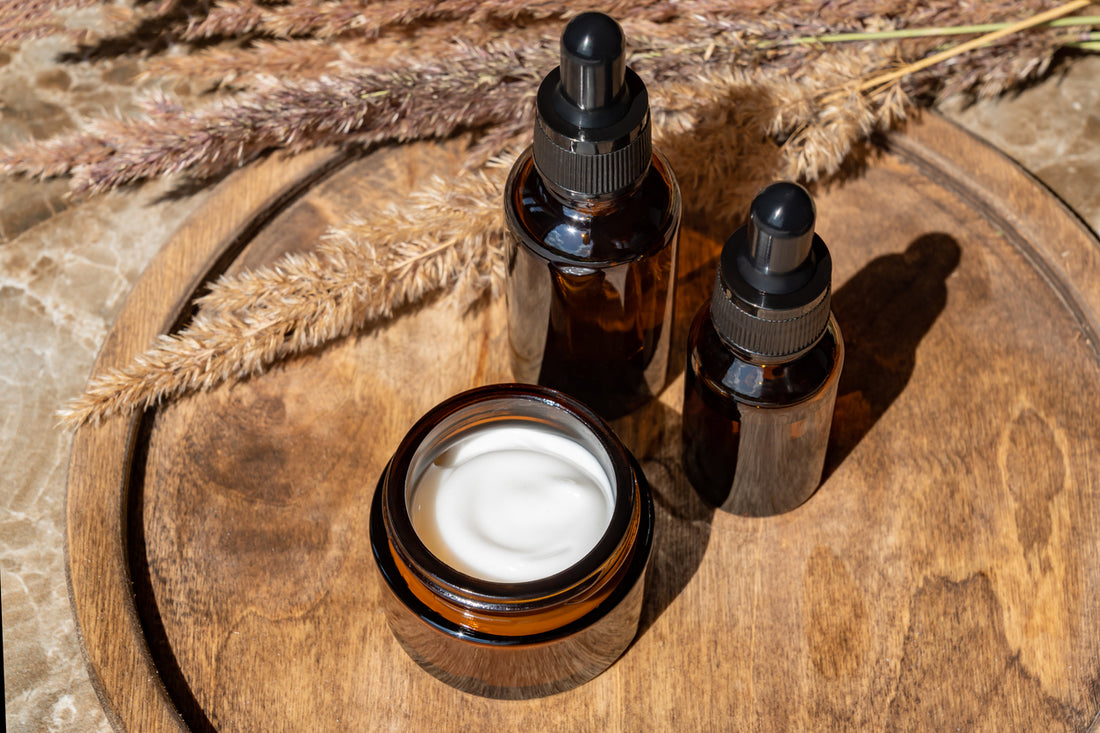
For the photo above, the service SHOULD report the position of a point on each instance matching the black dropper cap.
(592, 134)
(772, 294)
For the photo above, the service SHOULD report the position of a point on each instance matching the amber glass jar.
(512, 639)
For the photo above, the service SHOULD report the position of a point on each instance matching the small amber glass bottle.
(764, 360)
(594, 214)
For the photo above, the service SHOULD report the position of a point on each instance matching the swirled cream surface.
(512, 503)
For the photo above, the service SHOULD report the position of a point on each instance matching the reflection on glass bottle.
(764, 361)
(595, 215)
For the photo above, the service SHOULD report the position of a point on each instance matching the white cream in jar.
(512, 502)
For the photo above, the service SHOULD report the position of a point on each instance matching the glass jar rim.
(488, 595)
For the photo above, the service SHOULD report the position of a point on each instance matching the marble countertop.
(66, 267)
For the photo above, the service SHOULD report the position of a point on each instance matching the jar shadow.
(682, 520)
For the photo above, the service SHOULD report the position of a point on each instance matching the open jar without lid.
(546, 632)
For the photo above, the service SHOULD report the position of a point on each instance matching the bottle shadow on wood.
(884, 311)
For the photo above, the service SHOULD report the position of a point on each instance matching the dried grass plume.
(358, 275)
(742, 91)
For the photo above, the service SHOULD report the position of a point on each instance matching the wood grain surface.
(945, 575)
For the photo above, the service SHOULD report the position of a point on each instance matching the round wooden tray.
(945, 574)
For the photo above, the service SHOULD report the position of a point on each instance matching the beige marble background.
(66, 268)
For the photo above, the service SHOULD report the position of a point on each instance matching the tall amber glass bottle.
(594, 214)
(764, 360)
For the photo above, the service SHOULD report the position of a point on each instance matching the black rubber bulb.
(780, 236)
(593, 61)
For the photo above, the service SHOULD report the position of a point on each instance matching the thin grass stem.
(902, 33)
(881, 80)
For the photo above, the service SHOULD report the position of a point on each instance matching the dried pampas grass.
(742, 92)
(466, 73)
(253, 319)
(25, 20)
